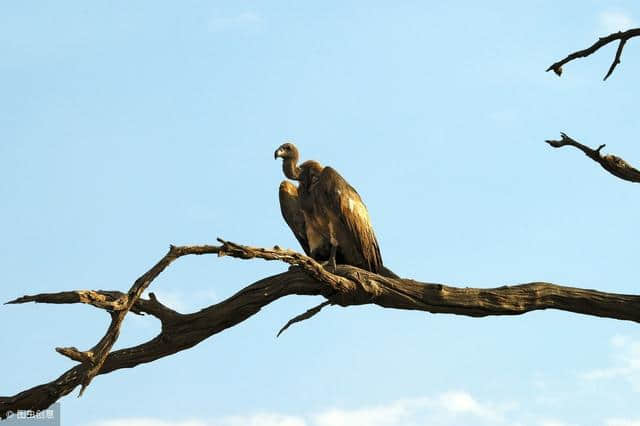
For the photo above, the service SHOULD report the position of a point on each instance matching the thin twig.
(622, 36)
(611, 163)
(303, 316)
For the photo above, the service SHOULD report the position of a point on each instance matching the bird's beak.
(277, 154)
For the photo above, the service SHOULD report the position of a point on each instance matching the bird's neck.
(291, 169)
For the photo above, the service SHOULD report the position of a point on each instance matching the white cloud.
(147, 422)
(447, 409)
(462, 402)
(184, 302)
(390, 414)
(625, 363)
(264, 419)
(613, 21)
(173, 299)
(260, 420)
(622, 422)
(243, 21)
(551, 422)
(619, 340)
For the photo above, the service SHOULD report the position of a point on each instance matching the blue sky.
(127, 127)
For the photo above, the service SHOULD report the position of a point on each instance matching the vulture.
(326, 215)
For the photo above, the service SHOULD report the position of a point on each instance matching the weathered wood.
(621, 36)
(347, 286)
(611, 163)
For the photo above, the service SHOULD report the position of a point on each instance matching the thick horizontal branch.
(621, 36)
(183, 331)
(611, 163)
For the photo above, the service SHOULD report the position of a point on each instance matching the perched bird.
(291, 201)
(325, 213)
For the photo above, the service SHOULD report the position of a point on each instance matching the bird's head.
(285, 151)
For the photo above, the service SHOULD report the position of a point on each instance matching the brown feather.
(319, 243)
(324, 211)
(292, 213)
(339, 207)
(311, 240)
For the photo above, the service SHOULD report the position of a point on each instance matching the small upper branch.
(99, 299)
(76, 355)
(309, 265)
(621, 36)
(611, 163)
(109, 300)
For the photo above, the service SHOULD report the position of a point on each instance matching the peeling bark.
(346, 286)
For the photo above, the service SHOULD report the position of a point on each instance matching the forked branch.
(611, 163)
(345, 286)
(621, 36)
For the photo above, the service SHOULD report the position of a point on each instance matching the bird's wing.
(335, 194)
(292, 213)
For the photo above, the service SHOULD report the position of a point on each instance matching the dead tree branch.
(621, 36)
(611, 163)
(347, 286)
(303, 316)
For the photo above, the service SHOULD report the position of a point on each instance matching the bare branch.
(76, 355)
(93, 359)
(118, 305)
(611, 163)
(622, 36)
(99, 299)
(306, 315)
(291, 257)
(347, 286)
